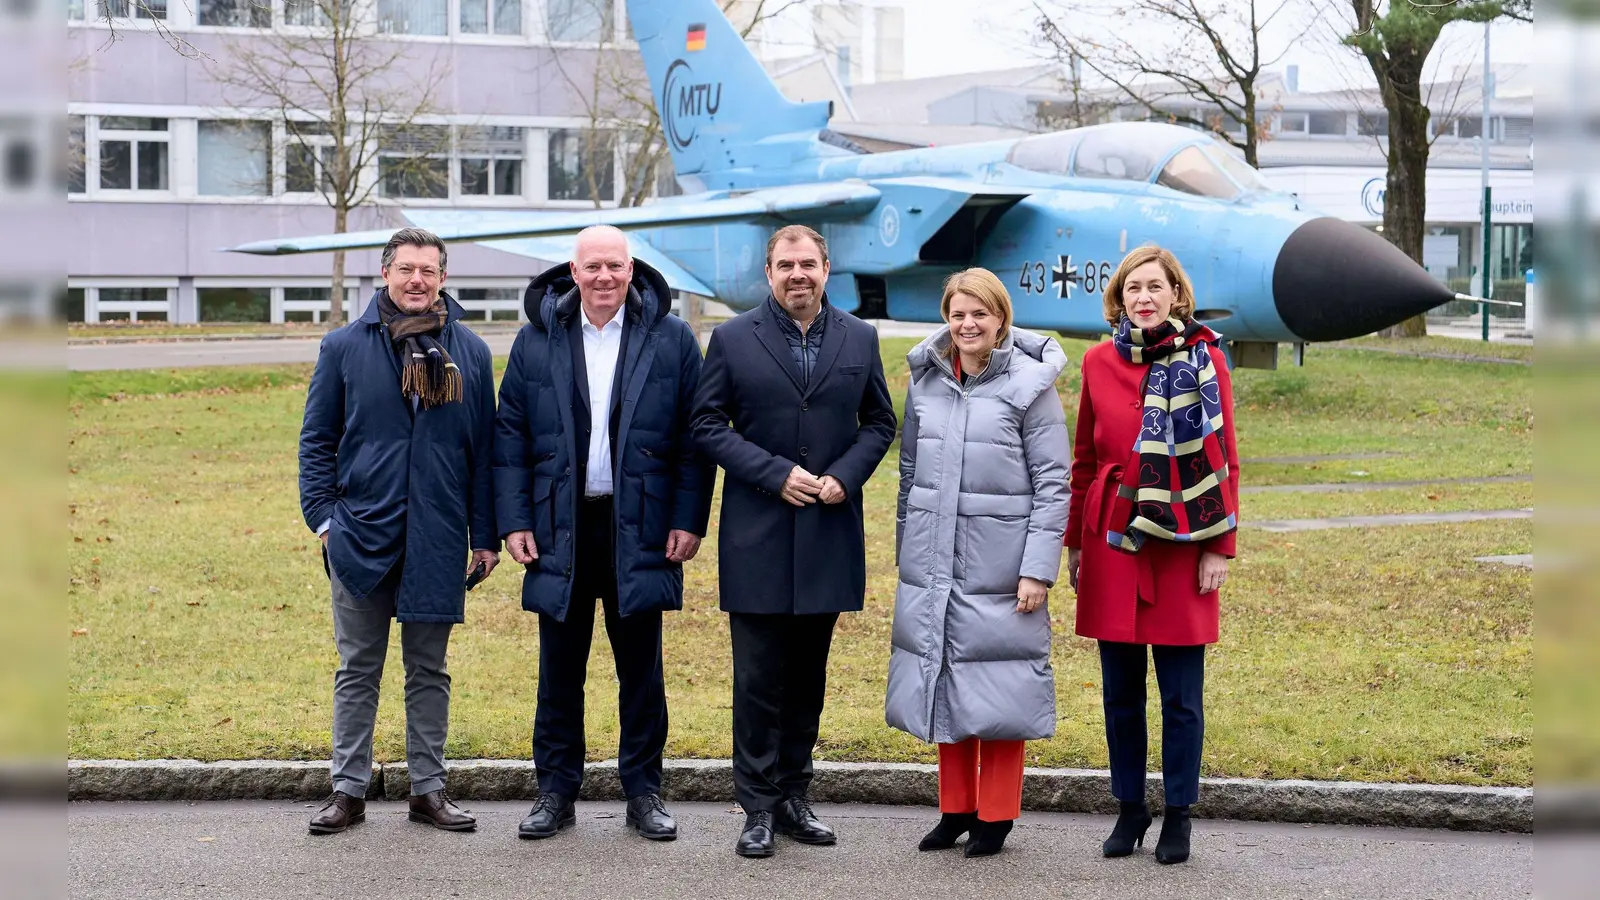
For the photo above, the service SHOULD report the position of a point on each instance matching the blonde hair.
(1182, 287)
(983, 286)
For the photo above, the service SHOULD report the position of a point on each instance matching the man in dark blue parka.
(395, 478)
(601, 495)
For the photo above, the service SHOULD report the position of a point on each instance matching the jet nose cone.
(1334, 280)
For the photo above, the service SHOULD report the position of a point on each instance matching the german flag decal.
(696, 39)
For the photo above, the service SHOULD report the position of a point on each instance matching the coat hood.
(1033, 360)
(552, 296)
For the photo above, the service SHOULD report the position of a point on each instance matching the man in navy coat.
(794, 407)
(395, 478)
(601, 496)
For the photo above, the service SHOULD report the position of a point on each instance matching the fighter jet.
(1052, 214)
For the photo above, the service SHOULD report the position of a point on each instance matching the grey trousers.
(361, 632)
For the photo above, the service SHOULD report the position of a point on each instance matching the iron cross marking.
(1064, 276)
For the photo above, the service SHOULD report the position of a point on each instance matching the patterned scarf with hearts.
(1171, 487)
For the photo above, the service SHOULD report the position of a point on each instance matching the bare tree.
(1077, 106)
(1208, 52)
(1396, 39)
(349, 102)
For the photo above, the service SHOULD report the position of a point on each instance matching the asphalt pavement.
(261, 849)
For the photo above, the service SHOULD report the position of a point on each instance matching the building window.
(132, 304)
(582, 165)
(1328, 123)
(490, 161)
(430, 17)
(305, 13)
(77, 155)
(1516, 128)
(589, 21)
(234, 14)
(133, 153)
(491, 304)
(414, 162)
(234, 304)
(134, 9)
(72, 305)
(1293, 123)
(235, 159)
(1373, 124)
(491, 16)
(75, 14)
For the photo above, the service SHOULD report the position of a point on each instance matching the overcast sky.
(945, 37)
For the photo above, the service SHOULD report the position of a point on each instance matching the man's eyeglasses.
(429, 273)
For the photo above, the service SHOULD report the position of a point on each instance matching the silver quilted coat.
(983, 501)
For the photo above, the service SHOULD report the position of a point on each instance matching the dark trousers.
(780, 674)
(1180, 678)
(558, 744)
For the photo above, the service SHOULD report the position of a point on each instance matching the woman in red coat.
(1155, 499)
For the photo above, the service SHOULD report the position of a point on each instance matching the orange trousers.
(983, 777)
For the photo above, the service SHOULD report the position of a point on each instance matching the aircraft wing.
(835, 200)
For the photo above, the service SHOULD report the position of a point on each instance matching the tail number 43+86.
(1064, 275)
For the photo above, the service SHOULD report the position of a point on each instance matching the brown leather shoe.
(440, 811)
(340, 812)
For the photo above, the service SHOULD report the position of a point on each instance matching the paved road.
(128, 851)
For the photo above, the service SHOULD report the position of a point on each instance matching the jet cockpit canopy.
(1179, 158)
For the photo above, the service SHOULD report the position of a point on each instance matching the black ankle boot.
(951, 826)
(1132, 822)
(987, 838)
(1173, 847)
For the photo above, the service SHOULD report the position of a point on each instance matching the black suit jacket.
(754, 419)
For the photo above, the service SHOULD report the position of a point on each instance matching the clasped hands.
(802, 488)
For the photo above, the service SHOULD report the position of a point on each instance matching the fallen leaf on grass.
(224, 721)
(191, 603)
(280, 607)
(79, 632)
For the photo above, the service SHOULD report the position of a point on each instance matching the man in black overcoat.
(794, 407)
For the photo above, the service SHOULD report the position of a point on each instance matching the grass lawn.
(200, 627)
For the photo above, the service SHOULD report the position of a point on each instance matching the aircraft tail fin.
(715, 100)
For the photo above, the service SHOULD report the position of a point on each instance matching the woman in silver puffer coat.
(983, 506)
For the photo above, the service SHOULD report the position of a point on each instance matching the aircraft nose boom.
(1334, 280)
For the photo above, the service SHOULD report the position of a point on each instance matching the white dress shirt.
(600, 349)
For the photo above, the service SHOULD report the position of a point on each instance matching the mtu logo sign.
(1372, 196)
(684, 102)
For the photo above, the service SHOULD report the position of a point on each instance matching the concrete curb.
(897, 784)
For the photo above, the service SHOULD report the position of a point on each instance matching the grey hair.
(414, 237)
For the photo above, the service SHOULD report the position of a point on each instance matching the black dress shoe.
(339, 812)
(795, 819)
(987, 839)
(649, 816)
(550, 814)
(1132, 822)
(1173, 846)
(951, 826)
(437, 809)
(756, 839)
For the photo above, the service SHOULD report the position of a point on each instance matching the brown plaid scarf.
(427, 373)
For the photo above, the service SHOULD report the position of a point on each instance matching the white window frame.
(452, 174)
(482, 310)
(134, 138)
(91, 298)
(457, 156)
(1303, 117)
